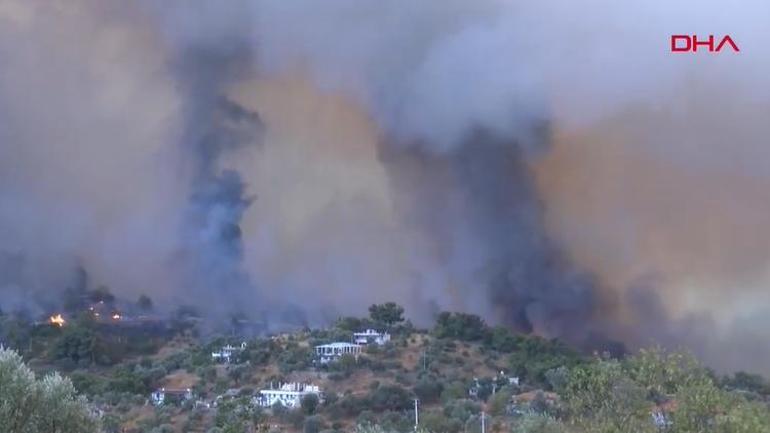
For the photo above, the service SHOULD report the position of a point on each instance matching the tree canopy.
(31, 405)
(387, 314)
(460, 326)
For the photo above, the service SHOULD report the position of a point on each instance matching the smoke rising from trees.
(551, 167)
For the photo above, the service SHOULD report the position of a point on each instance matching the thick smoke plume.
(549, 166)
(479, 206)
(214, 126)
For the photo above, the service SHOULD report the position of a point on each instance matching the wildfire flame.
(57, 320)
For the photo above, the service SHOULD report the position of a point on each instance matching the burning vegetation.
(57, 320)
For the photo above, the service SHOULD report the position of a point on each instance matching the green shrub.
(390, 397)
(313, 424)
(294, 357)
(428, 389)
(438, 422)
(309, 403)
(460, 326)
(534, 356)
(533, 423)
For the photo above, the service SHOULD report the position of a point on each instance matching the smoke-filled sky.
(550, 166)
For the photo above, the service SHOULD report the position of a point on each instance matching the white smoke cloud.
(435, 69)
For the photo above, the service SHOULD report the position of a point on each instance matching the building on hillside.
(490, 385)
(503, 379)
(227, 353)
(326, 353)
(170, 396)
(289, 395)
(370, 336)
(202, 404)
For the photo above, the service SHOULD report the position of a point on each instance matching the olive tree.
(47, 405)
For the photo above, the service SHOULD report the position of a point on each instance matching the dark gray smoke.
(479, 205)
(213, 238)
(214, 251)
(214, 128)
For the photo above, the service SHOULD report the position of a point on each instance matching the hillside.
(458, 372)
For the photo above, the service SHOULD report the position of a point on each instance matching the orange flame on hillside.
(57, 320)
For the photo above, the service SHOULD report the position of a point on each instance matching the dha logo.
(687, 43)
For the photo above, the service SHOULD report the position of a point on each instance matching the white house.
(326, 353)
(226, 353)
(495, 383)
(168, 395)
(512, 380)
(371, 336)
(288, 395)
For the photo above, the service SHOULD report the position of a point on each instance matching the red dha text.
(687, 43)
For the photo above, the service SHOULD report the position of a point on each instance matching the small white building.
(370, 336)
(326, 353)
(512, 380)
(226, 353)
(168, 395)
(288, 395)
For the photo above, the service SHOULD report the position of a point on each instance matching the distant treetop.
(388, 314)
